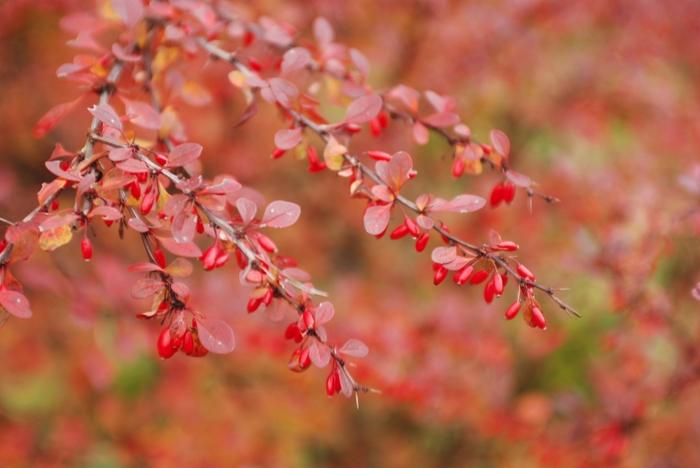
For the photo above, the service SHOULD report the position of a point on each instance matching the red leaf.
(364, 109)
(217, 336)
(184, 154)
(376, 218)
(281, 214)
(49, 120)
(288, 138)
(185, 249)
(107, 115)
(55, 168)
(15, 303)
(146, 287)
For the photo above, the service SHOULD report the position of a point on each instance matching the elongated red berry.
(160, 257)
(278, 153)
(478, 276)
(188, 343)
(293, 333)
(241, 259)
(507, 246)
(458, 167)
(379, 155)
(524, 272)
(332, 383)
(135, 190)
(508, 192)
(497, 284)
(266, 243)
(538, 319)
(489, 292)
(422, 242)
(400, 231)
(165, 344)
(513, 310)
(267, 297)
(253, 304)
(440, 275)
(308, 319)
(86, 249)
(463, 275)
(496, 195)
(147, 202)
(375, 127)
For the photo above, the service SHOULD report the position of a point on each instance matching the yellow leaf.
(333, 154)
(195, 94)
(54, 238)
(164, 57)
(237, 78)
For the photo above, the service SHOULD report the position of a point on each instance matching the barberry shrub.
(138, 173)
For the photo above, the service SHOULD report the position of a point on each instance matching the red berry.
(278, 153)
(489, 292)
(422, 241)
(497, 284)
(266, 243)
(458, 167)
(400, 231)
(440, 275)
(508, 192)
(379, 155)
(165, 344)
(293, 333)
(479, 276)
(463, 275)
(537, 319)
(308, 319)
(524, 272)
(188, 343)
(496, 195)
(86, 249)
(135, 190)
(160, 257)
(513, 310)
(411, 226)
(508, 246)
(253, 304)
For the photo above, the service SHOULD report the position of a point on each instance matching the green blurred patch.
(136, 377)
(35, 394)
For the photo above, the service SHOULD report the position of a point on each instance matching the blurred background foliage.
(601, 101)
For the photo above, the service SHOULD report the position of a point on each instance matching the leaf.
(407, 95)
(323, 31)
(142, 114)
(281, 214)
(333, 154)
(288, 138)
(295, 59)
(217, 336)
(184, 154)
(107, 115)
(223, 186)
(180, 268)
(355, 348)
(396, 172)
(696, 292)
(129, 11)
(137, 225)
(54, 238)
(441, 119)
(464, 203)
(320, 355)
(133, 166)
(183, 227)
(247, 209)
(146, 287)
(52, 118)
(184, 249)
(324, 312)
(376, 218)
(108, 213)
(364, 109)
(500, 142)
(15, 303)
(144, 267)
(521, 180)
(420, 133)
(55, 168)
(443, 255)
(120, 154)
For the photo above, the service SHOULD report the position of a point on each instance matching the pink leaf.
(247, 209)
(184, 154)
(324, 312)
(441, 119)
(55, 168)
(281, 214)
(420, 133)
(696, 292)
(376, 218)
(295, 59)
(364, 109)
(443, 255)
(355, 348)
(107, 115)
(137, 225)
(120, 154)
(500, 142)
(129, 11)
(323, 31)
(460, 204)
(146, 287)
(108, 213)
(217, 336)
(320, 355)
(395, 173)
(144, 267)
(133, 166)
(184, 249)
(142, 114)
(288, 138)
(408, 96)
(49, 120)
(15, 303)
(121, 53)
(183, 227)
(521, 180)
